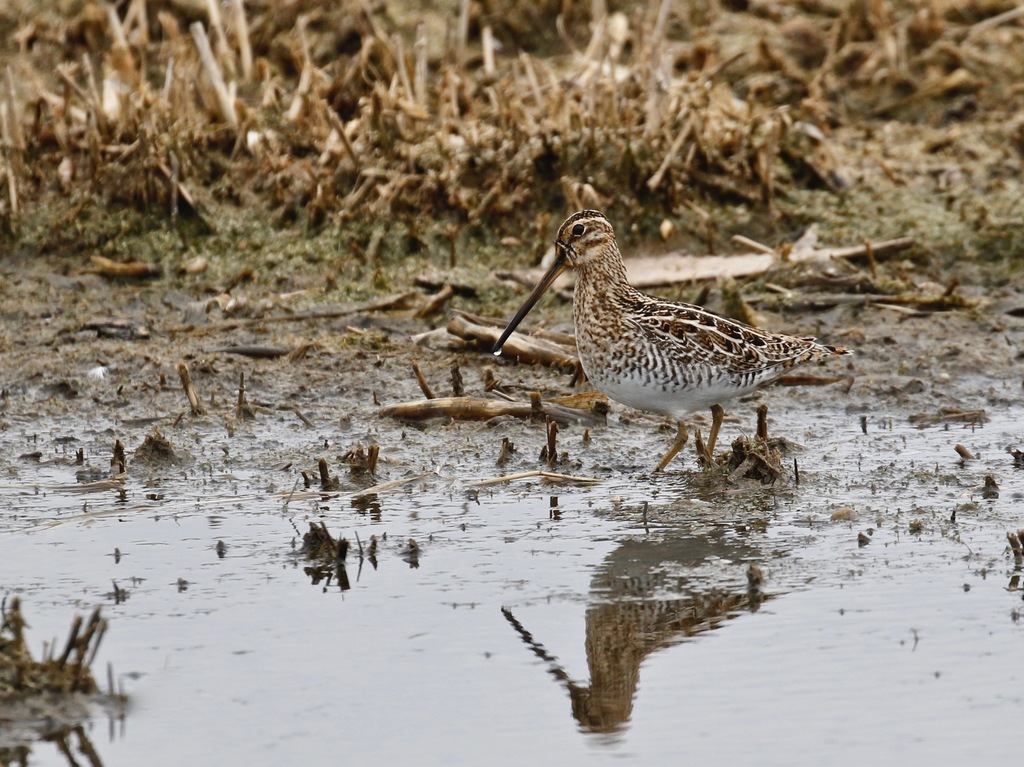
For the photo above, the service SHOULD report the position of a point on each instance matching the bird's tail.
(837, 349)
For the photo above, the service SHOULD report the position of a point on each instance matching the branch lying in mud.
(479, 409)
(674, 268)
(554, 336)
(915, 303)
(525, 348)
(387, 303)
(133, 270)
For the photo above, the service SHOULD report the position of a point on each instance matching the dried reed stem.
(138, 19)
(76, 626)
(298, 98)
(531, 78)
(762, 423)
(655, 181)
(97, 628)
(305, 78)
(551, 448)
(869, 251)
(420, 74)
(739, 239)
(488, 44)
(422, 381)
(94, 101)
(220, 37)
(658, 33)
(463, 35)
(242, 33)
(12, 183)
(13, 134)
(458, 386)
(339, 127)
(225, 103)
(190, 390)
(165, 93)
(995, 21)
(241, 405)
(398, 51)
(114, 24)
(325, 481)
(435, 302)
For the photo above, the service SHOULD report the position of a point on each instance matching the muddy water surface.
(541, 623)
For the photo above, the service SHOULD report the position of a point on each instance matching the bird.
(665, 357)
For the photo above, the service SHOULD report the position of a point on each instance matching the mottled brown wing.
(745, 354)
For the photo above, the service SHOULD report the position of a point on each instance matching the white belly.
(674, 398)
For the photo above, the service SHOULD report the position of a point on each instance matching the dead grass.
(68, 672)
(466, 113)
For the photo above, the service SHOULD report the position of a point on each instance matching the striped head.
(586, 241)
(586, 238)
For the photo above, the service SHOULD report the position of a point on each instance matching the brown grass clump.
(69, 672)
(355, 110)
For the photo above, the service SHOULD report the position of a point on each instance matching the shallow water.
(544, 623)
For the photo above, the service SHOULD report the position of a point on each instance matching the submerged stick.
(548, 475)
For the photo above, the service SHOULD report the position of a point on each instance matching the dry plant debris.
(357, 109)
(157, 451)
(480, 409)
(948, 415)
(21, 674)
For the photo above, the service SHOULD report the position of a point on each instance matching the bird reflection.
(71, 741)
(638, 608)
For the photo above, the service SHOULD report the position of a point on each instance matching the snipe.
(662, 356)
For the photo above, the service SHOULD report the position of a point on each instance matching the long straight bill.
(556, 269)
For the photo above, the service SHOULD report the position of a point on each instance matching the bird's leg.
(717, 414)
(681, 436)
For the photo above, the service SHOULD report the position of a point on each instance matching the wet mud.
(248, 404)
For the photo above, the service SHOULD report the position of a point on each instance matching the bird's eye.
(578, 230)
